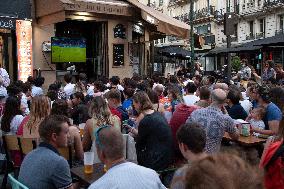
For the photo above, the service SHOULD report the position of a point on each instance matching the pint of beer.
(88, 162)
(82, 127)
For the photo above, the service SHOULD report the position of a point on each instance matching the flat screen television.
(64, 49)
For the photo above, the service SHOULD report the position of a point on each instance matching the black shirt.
(237, 112)
(154, 142)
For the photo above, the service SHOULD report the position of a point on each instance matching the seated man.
(191, 139)
(120, 173)
(43, 167)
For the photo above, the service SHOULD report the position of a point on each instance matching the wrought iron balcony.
(250, 37)
(234, 38)
(259, 35)
(178, 2)
(279, 32)
(273, 3)
(203, 13)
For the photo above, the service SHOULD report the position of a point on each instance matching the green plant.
(236, 63)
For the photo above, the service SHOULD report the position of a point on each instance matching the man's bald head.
(223, 86)
(218, 96)
(110, 142)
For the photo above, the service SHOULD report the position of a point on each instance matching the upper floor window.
(251, 30)
(281, 22)
(262, 25)
(161, 2)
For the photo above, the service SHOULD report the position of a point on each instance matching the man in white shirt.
(120, 173)
(190, 98)
(69, 87)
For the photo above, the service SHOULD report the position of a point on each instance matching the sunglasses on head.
(97, 133)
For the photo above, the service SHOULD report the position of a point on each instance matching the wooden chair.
(10, 143)
(26, 145)
(66, 152)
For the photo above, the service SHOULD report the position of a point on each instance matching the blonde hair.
(99, 110)
(40, 108)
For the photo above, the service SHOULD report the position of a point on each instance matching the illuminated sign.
(150, 19)
(7, 23)
(24, 49)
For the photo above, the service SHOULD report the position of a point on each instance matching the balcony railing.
(234, 38)
(205, 12)
(273, 3)
(177, 2)
(259, 35)
(250, 37)
(279, 32)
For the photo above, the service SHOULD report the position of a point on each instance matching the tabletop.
(89, 178)
(246, 141)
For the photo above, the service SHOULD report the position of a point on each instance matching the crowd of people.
(177, 123)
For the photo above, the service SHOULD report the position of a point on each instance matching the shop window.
(118, 55)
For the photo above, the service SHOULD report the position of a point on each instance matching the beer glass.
(81, 127)
(88, 162)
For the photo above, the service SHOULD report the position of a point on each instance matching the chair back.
(15, 184)
(10, 143)
(27, 145)
(66, 152)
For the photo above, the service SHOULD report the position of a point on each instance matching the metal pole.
(151, 49)
(229, 66)
(191, 36)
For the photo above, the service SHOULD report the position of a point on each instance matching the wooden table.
(89, 178)
(249, 141)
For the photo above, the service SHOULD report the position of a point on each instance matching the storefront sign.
(7, 23)
(24, 49)
(150, 19)
(116, 9)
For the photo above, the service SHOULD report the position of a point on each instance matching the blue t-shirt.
(272, 113)
(127, 103)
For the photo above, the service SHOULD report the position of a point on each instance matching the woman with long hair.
(40, 108)
(12, 116)
(60, 107)
(153, 136)
(100, 115)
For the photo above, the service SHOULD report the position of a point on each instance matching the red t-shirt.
(179, 117)
(115, 112)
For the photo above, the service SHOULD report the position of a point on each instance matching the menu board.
(119, 31)
(118, 54)
(24, 49)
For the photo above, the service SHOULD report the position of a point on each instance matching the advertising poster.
(24, 49)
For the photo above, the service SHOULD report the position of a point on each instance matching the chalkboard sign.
(119, 31)
(118, 54)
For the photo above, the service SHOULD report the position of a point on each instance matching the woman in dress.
(40, 108)
(101, 115)
(153, 136)
(12, 116)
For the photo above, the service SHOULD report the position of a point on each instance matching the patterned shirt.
(245, 73)
(215, 124)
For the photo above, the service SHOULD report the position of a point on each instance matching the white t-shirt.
(15, 123)
(190, 99)
(129, 175)
(90, 90)
(247, 105)
(24, 104)
(69, 89)
(36, 91)
(259, 124)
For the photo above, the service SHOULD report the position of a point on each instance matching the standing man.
(214, 122)
(69, 87)
(43, 167)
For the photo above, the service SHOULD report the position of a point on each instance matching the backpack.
(273, 165)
